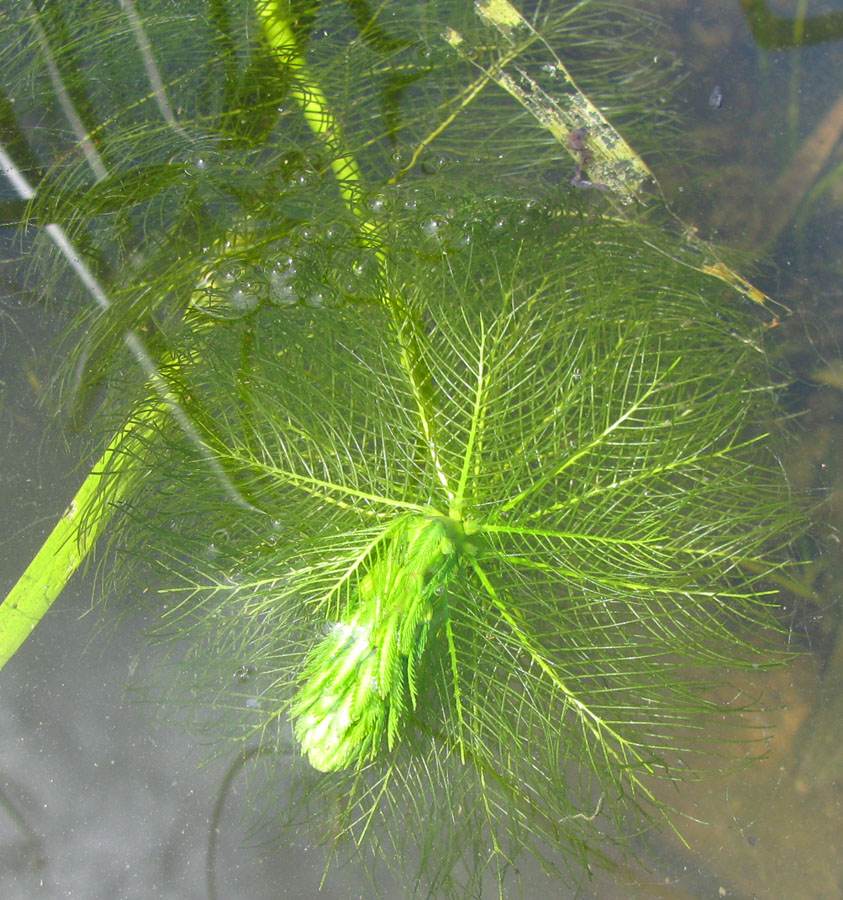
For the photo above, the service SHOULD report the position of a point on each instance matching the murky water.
(774, 830)
(105, 804)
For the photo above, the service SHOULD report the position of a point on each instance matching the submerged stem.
(308, 94)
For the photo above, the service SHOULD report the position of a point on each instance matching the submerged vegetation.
(453, 470)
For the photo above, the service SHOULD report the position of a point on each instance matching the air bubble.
(297, 170)
(306, 234)
(433, 227)
(321, 295)
(315, 297)
(243, 673)
(231, 293)
(229, 275)
(197, 163)
(358, 278)
(378, 205)
(435, 163)
(334, 233)
(244, 297)
(461, 237)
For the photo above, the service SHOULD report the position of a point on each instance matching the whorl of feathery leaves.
(509, 501)
(600, 426)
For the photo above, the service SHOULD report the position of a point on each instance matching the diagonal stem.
(307, 92)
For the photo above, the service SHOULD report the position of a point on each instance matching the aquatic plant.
(452, 470)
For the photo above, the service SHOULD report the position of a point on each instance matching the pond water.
(100, 801)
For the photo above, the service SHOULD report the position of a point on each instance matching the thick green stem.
(307, 93)
(75, 533)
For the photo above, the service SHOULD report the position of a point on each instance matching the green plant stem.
(307, 93)
(75, 534)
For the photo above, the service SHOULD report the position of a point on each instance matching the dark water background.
(116, 805)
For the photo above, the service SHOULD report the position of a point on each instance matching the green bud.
(360, 680)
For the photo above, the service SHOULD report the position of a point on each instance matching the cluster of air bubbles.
(436, 54)
(429, 220)
(231, 291)
(312, 266)
(301, 277)
(324, 265)
(508, 217)
(281, 276)
(244, 674)
(445, 233)
(360, 277)
(432, 162)
(411, 199)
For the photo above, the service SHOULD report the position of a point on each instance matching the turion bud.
(362, 677)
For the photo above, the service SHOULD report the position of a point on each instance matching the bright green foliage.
(362, 676)
(501, 493)
(598, 427)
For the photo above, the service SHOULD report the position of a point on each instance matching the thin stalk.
(67, 105)
(308, 94)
